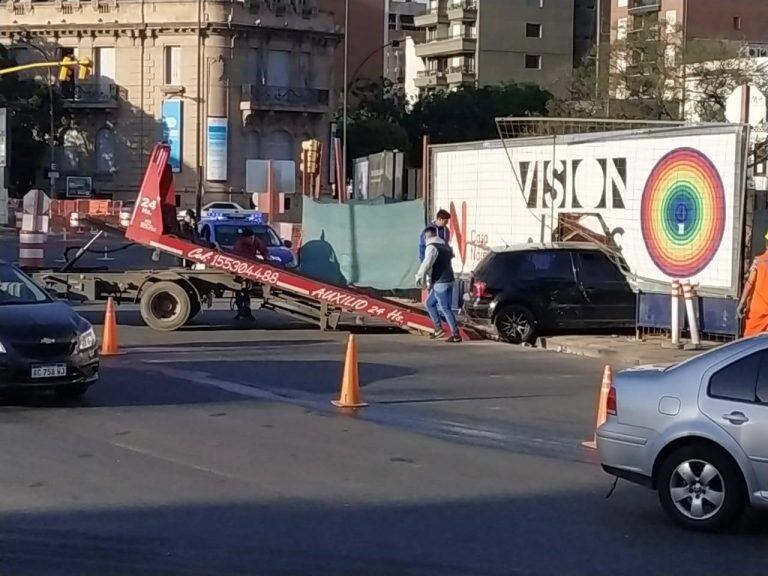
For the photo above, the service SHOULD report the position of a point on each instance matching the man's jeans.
(439, 304)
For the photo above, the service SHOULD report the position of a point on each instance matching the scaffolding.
(533, 127)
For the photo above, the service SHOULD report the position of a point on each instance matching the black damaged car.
(44, 344)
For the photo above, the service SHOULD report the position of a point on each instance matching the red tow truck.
(171, 298)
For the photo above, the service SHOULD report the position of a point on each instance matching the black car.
(531, 289)
(44, 344)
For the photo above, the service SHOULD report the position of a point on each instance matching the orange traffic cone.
(602, 406)
(350, 396)
(109, 344)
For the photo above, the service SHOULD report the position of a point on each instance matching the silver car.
(697, 432)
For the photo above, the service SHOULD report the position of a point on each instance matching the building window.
(252, 145)
(105, 70)
(279, 146)
(737, 22)
(670, 19)
(532, 30)
(106, 158)
(279, 68)
(670, 55)
(173, 65)
(532, 62)
(72, 149)
(622, 3)
(621, 29)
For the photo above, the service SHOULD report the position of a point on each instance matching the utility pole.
(4, 155)
(199, 113)
(342, 186)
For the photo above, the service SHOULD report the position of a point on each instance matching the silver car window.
(738, 380)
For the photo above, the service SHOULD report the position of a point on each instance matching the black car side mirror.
(53, 293)
(287, 243)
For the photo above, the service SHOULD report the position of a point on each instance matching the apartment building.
(482, 42)
(222, 81)
(402, 25)
(708, 27)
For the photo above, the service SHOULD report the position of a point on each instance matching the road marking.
(233, 387)
(164, 458)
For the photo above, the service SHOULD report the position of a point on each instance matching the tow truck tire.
(165, 306)
(196, 307)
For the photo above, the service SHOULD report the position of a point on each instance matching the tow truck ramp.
(154, 225)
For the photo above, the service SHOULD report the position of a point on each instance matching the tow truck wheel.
(165, 306)
(196, 307)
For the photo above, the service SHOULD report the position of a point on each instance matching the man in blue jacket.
(441, 225)
(436, 274)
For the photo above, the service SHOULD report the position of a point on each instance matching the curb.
(584, 351)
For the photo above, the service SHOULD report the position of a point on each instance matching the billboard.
(669, 199)
(172, 130)
(216, 154)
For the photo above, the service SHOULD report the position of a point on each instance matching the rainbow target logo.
(683, 213)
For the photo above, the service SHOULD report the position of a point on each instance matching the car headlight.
(2, 349)
(87, 340)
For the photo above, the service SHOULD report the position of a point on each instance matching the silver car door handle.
(736, 418)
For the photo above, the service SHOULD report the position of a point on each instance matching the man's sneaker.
(454, 339)
(438, 335)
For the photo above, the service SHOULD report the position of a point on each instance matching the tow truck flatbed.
(170, 298)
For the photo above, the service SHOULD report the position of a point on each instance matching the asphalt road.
(214, 451)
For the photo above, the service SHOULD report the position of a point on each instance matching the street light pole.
(345, 97)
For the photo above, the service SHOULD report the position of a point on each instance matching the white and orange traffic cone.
(602, 406)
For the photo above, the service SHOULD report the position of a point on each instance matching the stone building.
(224, 80)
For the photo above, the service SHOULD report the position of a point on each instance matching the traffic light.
(310, 156)
(67, 69)
(84, 67)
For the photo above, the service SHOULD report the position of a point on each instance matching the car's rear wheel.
(700, 487)
(516, 324)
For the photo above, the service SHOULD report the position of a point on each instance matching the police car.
(223, 230)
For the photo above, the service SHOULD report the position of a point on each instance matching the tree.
(382, 120)
(709, 85)
(654, 75)
(470, 113)
(371, 135)
(27, 100)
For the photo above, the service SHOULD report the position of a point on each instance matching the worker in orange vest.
(754, 299)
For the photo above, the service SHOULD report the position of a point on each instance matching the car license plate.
(52, 371)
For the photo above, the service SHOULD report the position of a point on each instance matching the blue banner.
(172, 131)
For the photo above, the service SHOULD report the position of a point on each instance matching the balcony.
(460, 75)
(642, 6)
(260, 97)
(90, 96)
(448, 45)
(430, 79)
(462, 10)
(431, 19)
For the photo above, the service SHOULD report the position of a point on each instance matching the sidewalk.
(621, 350)
(8, 231)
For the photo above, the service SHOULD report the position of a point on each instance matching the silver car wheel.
(697, 489)
(516, 325)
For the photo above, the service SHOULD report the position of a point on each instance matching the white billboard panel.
(669, 199)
